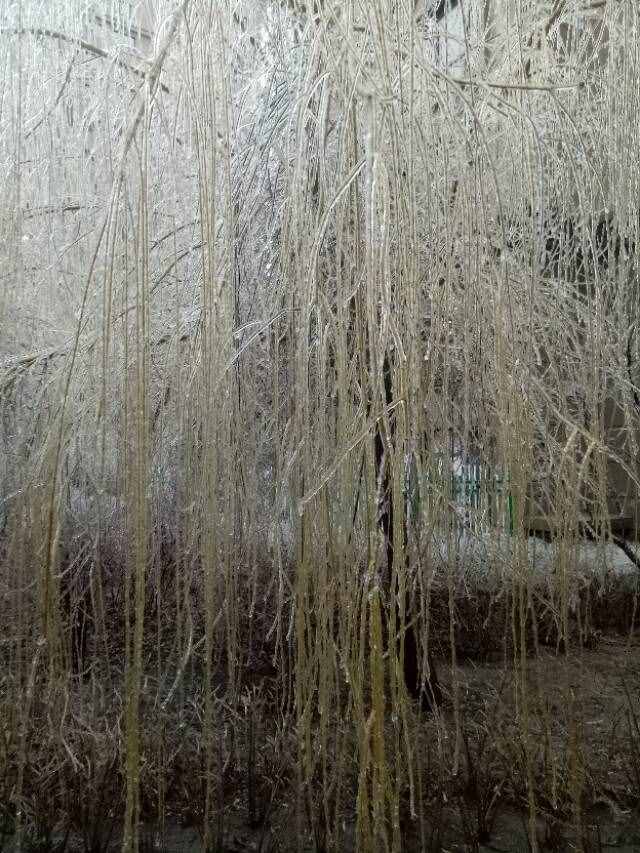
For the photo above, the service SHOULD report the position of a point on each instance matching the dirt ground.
(600, 687)
(583, 721)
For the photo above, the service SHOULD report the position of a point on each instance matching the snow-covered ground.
(495, 555)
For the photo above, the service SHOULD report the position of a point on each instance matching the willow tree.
(274, 275)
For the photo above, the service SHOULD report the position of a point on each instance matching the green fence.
(479, 495)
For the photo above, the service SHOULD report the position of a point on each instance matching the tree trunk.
(428, 695)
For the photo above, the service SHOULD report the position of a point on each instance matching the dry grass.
(582, 709)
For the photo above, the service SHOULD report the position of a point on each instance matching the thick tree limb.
(88, 47)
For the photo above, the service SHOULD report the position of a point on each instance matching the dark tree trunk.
(430, 695)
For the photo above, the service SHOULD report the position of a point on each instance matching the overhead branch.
(88, 47)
